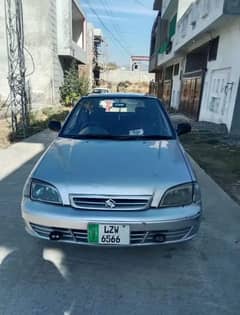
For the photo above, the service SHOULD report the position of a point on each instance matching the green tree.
(112, 66)
(74, 86)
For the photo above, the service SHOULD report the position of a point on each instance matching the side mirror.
(183, 128)
(54, 125)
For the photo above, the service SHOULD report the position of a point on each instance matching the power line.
(110, 14)
(108, 29)
(141, 4)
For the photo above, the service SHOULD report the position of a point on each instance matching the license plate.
(109, 234)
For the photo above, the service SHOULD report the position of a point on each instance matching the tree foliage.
(74, 86)
(112, 66)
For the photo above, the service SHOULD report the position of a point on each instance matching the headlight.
(197, 198)
(182, 195)
(27, 188)
(44, 192)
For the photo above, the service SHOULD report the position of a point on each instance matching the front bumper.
(173, 224)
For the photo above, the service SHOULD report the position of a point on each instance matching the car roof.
(121, 95)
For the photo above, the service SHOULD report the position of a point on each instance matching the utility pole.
(16, 66)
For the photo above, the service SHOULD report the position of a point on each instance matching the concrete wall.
(77, 26)
(40, 26)
(176, 85)
(116, 76)
(64, 25)
(48, 34)
(222, 78)
(165, 4)
(235, 129)
(40, 42)
(197, 19)
(67, 18)
(90, 48)
(183, 5)
(58, 74)
(169, 6)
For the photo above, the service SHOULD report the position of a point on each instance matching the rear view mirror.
(183, 128)
(54, 125)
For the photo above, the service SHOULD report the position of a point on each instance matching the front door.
(167, 92)
(219, 92)
(191, 95)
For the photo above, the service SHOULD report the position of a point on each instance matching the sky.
(128, 22)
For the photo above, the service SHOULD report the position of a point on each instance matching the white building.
(195, 55)
(55, 34)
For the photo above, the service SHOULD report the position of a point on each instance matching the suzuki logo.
(110, 204)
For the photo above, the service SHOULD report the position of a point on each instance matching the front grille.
(136, 237)
(121, 203)
(150, 237)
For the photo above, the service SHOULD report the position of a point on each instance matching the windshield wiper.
(118, 138)
(142, 138)
(156, 137)
(93, 136)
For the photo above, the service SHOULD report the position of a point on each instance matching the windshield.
(118, 118)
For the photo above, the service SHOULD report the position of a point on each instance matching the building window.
(172, 26)
(213, 49)
(163, 47)
(176, 69)
(169, 73)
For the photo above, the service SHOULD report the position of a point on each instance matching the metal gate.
(191, 94)
(167, 92)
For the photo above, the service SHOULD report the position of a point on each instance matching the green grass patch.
(39, 120)
(218, 158)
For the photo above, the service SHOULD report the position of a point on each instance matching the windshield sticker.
(119, 105)
(106, 104)
(136, 132)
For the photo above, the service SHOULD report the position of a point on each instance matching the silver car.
(100, 91)
(116, 175)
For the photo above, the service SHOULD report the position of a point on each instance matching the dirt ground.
(127, 87)
(141, 87)
(38, 122)
(4, 133)
(219, 156)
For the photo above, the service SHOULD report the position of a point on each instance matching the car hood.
(113, 167)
